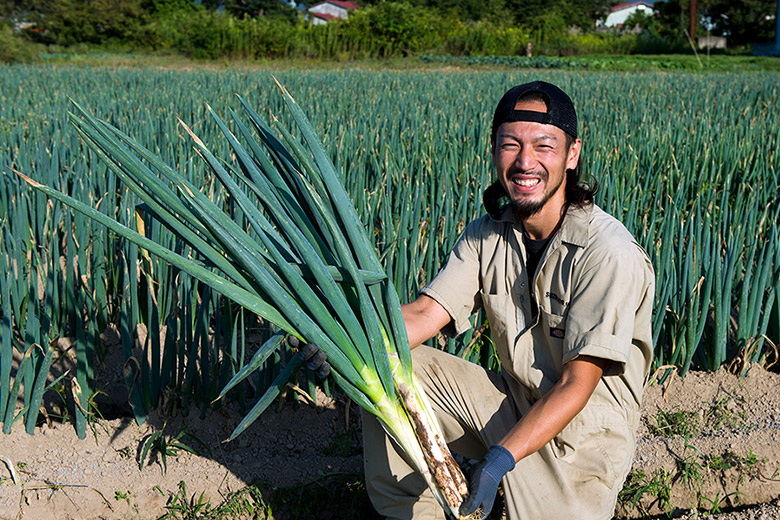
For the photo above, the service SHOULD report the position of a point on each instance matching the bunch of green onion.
(304, 263)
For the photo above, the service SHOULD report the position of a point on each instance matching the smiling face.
(531, 160)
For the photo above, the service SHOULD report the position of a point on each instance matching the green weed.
(744, 465)
(95, 419)
(179, 506)
(339, 495)
(716, 502)
(123, 495)
(720, 414)
(125, 452)
(639, 485)
(60, 409)
(689, 470)
(246, 503)
(160, 444)
(729, 459)
(669, 424)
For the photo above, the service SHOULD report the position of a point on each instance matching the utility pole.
(692, 31)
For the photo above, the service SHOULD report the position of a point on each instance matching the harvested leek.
(303, 263)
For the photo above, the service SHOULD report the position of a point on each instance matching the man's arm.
(548, 416)
(424, 318)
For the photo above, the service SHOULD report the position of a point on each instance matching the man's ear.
(573, 155)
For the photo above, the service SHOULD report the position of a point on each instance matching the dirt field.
(709, 440)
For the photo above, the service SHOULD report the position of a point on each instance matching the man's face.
(531, 160)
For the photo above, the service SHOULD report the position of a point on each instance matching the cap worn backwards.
(560, 109)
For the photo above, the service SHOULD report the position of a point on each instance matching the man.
(568, 295)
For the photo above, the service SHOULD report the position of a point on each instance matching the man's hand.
(315, 359)
(484, 478)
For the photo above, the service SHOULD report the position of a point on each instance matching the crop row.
(688, 162)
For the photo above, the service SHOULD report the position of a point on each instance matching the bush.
(388, 29)
(204, 34)
(394, 28)
(383, 30)
(14, 49)
(65, 22)
(486, 39)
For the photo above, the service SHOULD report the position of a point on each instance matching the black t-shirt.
(534, 250)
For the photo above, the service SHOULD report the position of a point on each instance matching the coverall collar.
(574, 228)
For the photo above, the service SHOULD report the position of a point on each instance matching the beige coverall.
(594, 289)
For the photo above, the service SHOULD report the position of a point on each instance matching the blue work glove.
(484, 477)
(315, 359)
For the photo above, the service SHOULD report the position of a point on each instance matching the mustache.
(513, 170)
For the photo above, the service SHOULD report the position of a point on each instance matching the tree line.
(256, 29)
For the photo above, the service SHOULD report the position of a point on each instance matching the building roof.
(629, 5)
(323, 16)
(344, 4)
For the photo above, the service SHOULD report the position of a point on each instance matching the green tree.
(672, 17)
(255, 8)
(468, 10)
(166, 7)
(395, 27)
(743, 22)
(12, 48)
(66, 22)
(11, 8)
(580, 13)
(577, 13)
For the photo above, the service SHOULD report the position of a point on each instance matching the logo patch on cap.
(555, 332)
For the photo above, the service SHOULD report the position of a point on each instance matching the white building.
(620, 13)
(323, 12)
(711, 42)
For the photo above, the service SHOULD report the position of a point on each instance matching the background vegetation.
(258, 29)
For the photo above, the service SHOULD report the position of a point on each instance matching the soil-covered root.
(442, 465)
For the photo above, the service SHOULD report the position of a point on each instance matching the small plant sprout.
(158, 443)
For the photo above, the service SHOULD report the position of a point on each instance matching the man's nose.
(526, 159)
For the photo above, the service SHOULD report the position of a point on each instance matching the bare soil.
(710, 441)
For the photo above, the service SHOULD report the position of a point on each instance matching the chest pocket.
(552, 329)
(504, 315)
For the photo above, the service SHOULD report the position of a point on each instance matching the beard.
(524, 209)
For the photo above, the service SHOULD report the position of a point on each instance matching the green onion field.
(689, 162)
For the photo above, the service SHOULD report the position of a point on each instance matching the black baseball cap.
(560, 109)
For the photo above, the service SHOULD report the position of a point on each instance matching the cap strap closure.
(533, 116)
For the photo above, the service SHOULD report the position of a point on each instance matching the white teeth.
(527, 183)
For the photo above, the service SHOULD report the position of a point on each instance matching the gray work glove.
(315, 359)
(484, 477)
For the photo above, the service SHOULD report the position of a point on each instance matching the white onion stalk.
(425, 446)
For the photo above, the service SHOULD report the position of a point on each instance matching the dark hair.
(577, 193)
